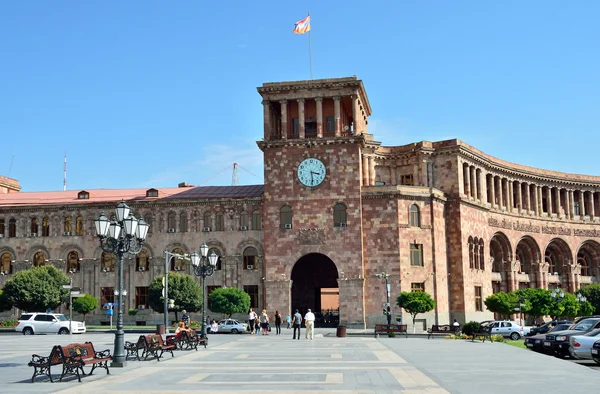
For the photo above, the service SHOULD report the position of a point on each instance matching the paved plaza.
(355, 364)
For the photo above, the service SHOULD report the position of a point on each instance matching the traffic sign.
(66, 286)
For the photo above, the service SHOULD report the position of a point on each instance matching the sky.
(149, 93)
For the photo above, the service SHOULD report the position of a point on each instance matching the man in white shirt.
(309, 322)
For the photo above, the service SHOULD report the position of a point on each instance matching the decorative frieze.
(493, 222)
(561, 230)
(528, 228)
(586, 233)
(544, 229)
(311, 236)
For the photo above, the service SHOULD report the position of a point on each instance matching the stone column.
(568, 204)
(519, 196)
(499, 192)
(473, 182)
(319, 101)
(581, 204)
(527, 198)
(365, 170)
(538, 201)
(337, 115)
(592, 209)
(571, 204)
(483, 185)
(511, 196)
(267, 118)
(372, 170)
(284, 119)
(493, 191)
(467, 178)
(301, 118)
(549, 204)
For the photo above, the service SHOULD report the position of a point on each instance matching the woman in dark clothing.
(278, 322)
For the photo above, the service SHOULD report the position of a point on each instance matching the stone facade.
(442, 217)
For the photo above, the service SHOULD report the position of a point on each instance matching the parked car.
(546, 327)
(232, 326)
(507, 329)
(557, 342)
(581, 345)
(596, 352)
(48, 323)
(536, 342)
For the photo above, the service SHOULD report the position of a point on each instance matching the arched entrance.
(314, 286)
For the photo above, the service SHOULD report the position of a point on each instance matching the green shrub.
(391, 335)
(132, 312)
(471, 328)
(497, 338)
(9, 323)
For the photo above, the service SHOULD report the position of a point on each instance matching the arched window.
(183, 223)
(250, 258)
(45, 227)
(39, 259)
(6, 264)
(34, 226)
(68, 226)
(177, 263)
(244, 220)
(476, 253)
(285, 217)
(73, 262)
(415, 219)
(171, 222)
(256, 220)
(219, 221)
(108, 262)
(12, 228)
(471, 256)
(207, 220)
(141, 261)
(79, 226)
(481, 255)
(339, 215)
(219, 265)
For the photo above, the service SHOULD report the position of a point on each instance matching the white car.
(232, 326)
(507, 329)
(581, 345)
(48, 323)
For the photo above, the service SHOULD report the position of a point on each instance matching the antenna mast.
(235, 180)
(65, 173)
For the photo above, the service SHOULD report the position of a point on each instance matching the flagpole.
(310, 51)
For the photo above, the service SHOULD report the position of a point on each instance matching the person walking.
(264, 322)
(251, 320)
(288, 319)
(296, 323)
(309, 322)
(277, 323)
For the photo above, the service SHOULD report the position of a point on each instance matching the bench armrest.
(39, 360)
(104, 353)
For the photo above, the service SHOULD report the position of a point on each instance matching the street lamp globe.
(204, 249)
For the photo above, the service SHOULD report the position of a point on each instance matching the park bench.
(482, 333)
(73, 358)
(134, 348)
(187, 340)
(387, 328)
(156, 347)
(441, 329)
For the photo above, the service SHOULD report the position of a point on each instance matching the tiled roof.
(108, 195)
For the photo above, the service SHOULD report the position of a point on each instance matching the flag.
(302, 26)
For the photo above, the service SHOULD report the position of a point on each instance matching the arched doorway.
(314, 286)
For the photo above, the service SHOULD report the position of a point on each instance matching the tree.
(586, 309)
(84, 305)
(538, 301)
(570, 306)
(183, 289)
(229, 301)
(37, 289)
(415, 302)
(502, 303)
(5, 304)
(592, 293)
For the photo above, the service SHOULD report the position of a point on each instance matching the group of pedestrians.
(260, 323)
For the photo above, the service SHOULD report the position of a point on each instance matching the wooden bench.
(442, 329)
(482, 334)
(187, 340)
(133, 348)
(73, 358)
(156, 347)
(386, 328)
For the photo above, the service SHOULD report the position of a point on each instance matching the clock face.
(311, 172)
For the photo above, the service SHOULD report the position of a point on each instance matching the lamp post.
(581, 298)
(167, 302)
(387, 312)
(125, 235)
(204, 266)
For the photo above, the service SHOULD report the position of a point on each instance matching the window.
(406, 180)
(219, 222)
(219, 265)
(141, 261)
(207, 219)
(79, 226)
(583, 263)
(141, 296)
(481, 255)
(151, 193)
(108, 262)
(256, 220)
(244, 219)
(576, 210)
(285, 216)
(419, 286)
(34, 226)
(6, 263)
(176, 262)
(471, 257)
(83, 195)
(73, 262)
(107, 294)
(250, 259)
(2, 227)
(339, 215)
(12, 228)
(478, 299)
(210, 289)
(416, 255)
(39, 259)
(171, 222)
(295, 127)
(252, 291)
(476, 253)
(415, 217)
(45, 227)
(183, 224)
(68, 227)
(330, 124)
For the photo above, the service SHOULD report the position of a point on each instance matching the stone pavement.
(278, 364)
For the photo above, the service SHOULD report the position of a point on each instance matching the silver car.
(232, 326)
(581, 345)
(507, 329)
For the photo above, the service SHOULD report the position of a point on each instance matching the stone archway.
(501, 258)
(588, 258)
(315, 286)
(528, 256)
(558, 257)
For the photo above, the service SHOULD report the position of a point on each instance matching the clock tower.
(315, 136)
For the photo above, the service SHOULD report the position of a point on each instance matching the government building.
(337, 208)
